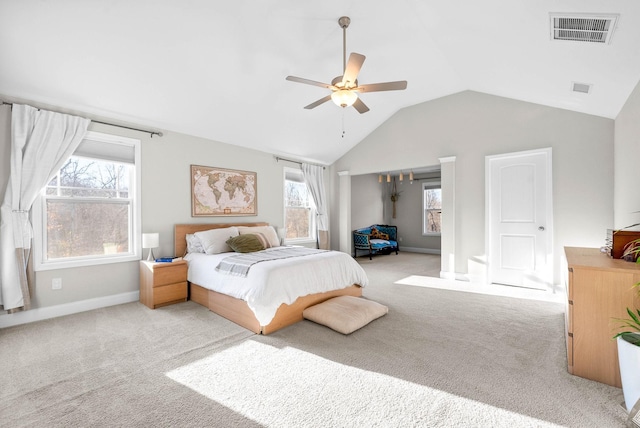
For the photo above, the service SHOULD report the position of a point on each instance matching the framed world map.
(223, 192)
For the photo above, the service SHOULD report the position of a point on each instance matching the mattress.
(272, 283)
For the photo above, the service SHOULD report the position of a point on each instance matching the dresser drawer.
(568, 317)
(169, 273)
(170, 293)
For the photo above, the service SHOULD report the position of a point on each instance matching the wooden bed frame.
(237, 310)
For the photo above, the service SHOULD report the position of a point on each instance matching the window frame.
(39, 213)
(430, 185)
(313, 214)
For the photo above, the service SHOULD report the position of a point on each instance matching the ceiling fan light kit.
(345, 88)
(344, 97)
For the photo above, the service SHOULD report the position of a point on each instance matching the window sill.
(300, 242)
(69, 264)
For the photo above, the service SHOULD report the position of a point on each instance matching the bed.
(202, 287)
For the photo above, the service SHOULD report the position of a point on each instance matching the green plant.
(632, 251)
(633, 323)
(395, 194)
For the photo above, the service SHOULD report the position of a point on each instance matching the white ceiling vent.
(583, 88)
(588, 28)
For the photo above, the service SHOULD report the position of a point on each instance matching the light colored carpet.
(440, 358)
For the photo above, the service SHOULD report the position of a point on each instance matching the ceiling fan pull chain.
(343, 131)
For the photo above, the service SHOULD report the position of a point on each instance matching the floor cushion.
(345, 314)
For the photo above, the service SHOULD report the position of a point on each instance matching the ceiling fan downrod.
(344, 22)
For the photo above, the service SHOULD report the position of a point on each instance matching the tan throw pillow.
(263, 239)
(268, 231)
(245, 243)
(345, 314)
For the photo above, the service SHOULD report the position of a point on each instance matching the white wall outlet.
(56, 284)
(400, 239)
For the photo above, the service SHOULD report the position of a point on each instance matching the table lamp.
(150, 241)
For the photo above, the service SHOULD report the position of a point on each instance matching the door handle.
(540, 228)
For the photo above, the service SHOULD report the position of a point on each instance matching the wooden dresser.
(599, 289)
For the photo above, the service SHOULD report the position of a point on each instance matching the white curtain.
(314, 178)
(41, 142)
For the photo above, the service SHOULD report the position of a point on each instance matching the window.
(89, 212)
(432, 213)
(300, 212)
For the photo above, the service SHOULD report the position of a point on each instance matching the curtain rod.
(158, 133)
(278, 158)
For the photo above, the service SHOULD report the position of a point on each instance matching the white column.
(344, 211)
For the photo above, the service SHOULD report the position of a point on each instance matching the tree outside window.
(88, 210)
(299, 208)
(432, 214)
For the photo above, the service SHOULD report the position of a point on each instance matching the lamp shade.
(150, 240)
(344, 97)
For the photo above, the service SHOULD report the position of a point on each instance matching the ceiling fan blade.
(352, 69)
(317, 103)
(386, 86)
(360, 106)
(309, 82)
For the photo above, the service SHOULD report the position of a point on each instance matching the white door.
(519, 219)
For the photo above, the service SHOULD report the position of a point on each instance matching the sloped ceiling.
(217, 69)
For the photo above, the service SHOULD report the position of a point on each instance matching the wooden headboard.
(181, 230)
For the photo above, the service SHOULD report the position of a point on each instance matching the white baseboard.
(447, 275)
(454, 276)
(420, 250)
(476, 279)
(39, 314)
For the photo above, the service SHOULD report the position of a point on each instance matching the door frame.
(547, 152)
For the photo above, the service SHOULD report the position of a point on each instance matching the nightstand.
(162, 284)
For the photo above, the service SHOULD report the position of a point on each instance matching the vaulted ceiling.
(217, 69)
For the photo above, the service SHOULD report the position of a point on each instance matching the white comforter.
(269, 284)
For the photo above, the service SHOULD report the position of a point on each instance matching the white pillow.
(268, 231)
(193, 244)
(214, 241)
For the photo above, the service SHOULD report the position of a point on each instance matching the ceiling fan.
(345, 88)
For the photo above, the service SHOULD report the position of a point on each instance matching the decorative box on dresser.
(599, 290)
(162, 284)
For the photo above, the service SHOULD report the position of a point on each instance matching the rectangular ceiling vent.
(583, 27)
(584, 88)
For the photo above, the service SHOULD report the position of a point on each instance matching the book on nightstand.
(168, 259)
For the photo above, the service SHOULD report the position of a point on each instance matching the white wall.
(366, 201)
(627, 160)
(166, 200)
(472, 125)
